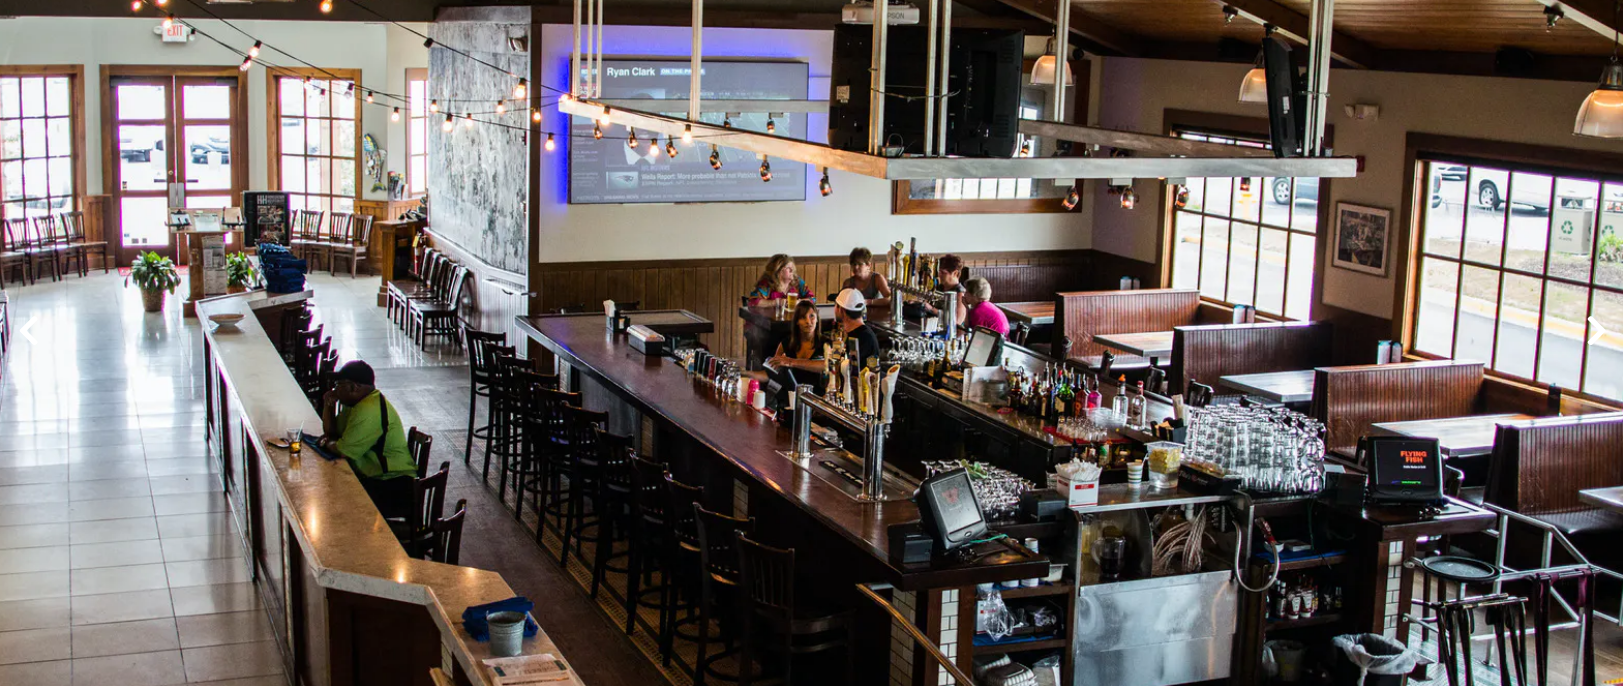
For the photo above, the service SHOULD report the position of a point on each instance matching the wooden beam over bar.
(1142, 142)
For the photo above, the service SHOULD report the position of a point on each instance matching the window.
(1245, 240)
(314, 144)
(1521, 268)
(39, 165)
(416, 132)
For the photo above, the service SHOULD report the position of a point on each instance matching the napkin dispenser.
(646, 341)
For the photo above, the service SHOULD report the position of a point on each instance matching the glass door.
(172, 130)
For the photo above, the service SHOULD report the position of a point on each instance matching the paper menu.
(529, 669)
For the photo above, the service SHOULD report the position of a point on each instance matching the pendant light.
(1254, 87)
(1042, 73)
(1601, 115)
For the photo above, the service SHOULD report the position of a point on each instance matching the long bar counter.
(348, 605)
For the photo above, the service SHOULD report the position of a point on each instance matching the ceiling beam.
(1111, 39)
(1595, 15)
(1132, 140)
(1292, 25)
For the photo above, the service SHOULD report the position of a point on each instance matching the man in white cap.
(850, 311)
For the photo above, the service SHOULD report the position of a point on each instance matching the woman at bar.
(803, 350)
(980, 311)
(947, 272)
(778, 282)
(863, 278)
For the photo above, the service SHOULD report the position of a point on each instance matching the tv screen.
(608, 171)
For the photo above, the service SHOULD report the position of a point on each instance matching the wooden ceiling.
(1460, 25)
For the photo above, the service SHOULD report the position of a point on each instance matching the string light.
(771, 124)
(434, 106)
(604, 120)
(631, 138)
(369, 99)
(501, 107)
(1072, 198)
(254, 51)
(766, 170)
(162, 3)
(448, 125)
(467, 121)
(246, 63)
(726, 121)
(670, 147)
(351, 89)
(522, 90)
(428, 42)
(326, 6)
(687, 135)
(566, 98)
(653, 148)
(535, 114)
(715, 157)
(550, 145)
(168, 23)
(135, 6)
(597, 131)
(395, 116)
(824, 186)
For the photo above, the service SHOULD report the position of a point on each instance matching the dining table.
(1144, 344)
(1286, 387)
(1610, 497)
(1456, 436)
(1034, 313)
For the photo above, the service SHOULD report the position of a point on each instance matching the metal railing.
(918, 636)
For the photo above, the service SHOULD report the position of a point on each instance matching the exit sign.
(175, 32)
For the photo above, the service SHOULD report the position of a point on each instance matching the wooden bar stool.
(773, 618)
(481, 345)
(581, 429)
(526, 466)
(718, 588)
(649, 529)
(680, 563)
(613, 505)
(551, 433)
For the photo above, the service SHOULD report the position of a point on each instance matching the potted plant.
(153, 274)
(240, 273)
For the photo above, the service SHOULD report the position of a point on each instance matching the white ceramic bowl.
(225, 320)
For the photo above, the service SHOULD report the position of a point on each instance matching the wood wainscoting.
(491, 297)
(712, 288)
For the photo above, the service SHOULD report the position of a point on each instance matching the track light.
(326, 6)
(522, 90)
(597, 131)
(715, 157)
(1181, 198)
(1552, 16)
(1229, 13)
(448, 125)
(1129, 199)
(670, 147)
(631, 138)
(550, 145)
(254, 51)
(434, 106)
(535, 114)
(395, 115)
(687, 135)
(246, 63)
(824, 186)
(766, 170)
(1025, 148)
(1073, 197)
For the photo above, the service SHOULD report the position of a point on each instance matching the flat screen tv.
(1287, 101)
(607, 171)
(983, 110)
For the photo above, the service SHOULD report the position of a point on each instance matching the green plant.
(153, 272)
(1611, 247)
(239, 270)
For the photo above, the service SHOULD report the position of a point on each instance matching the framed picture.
(1361, 238)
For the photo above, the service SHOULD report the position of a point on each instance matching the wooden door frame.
(109, 125)
(76, 117)
(273, 123)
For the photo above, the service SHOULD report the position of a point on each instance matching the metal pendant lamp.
(1601, 115)
(1254, 87)
(1043, 72)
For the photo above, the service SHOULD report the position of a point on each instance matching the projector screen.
(608, 171)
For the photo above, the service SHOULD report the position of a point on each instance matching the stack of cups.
(1135, 473)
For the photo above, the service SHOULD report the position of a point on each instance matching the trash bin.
(1372, 660)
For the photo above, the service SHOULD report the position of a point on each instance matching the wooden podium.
(387, 238)
(196, 269)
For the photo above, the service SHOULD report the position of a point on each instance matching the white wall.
(858, 213)
(381, 52)
(1136, 92)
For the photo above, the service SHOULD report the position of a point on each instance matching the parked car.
(200, 150)
(1531, 191)
(132, 150)
(1307, 190)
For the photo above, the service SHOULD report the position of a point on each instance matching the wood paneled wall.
(1351, 399)
(712, 288)
(1208, 353)
(1080, 315)
(1540, 469)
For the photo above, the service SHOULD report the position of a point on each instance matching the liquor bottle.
(1095, 399)
(1136, 407)
(1067, 398)
(1118, 404)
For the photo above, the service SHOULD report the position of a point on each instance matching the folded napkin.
(313, 442)
(473, 618)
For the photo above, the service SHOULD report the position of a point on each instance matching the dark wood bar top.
(750, 441)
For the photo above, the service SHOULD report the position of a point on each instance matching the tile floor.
(118, 564)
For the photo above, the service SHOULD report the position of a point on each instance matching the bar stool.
(718, 587)
(647, 538)
(503, 435)
(580, 430)
(612, 503)
(514, 389)
(480, 346)
(679, 561)
(528, 466)
(770, 607)
(551, 446)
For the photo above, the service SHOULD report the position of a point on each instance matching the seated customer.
(778, 282)
(947, 271)
(977, 300)
(803, 349)
(870, 283)
(368, 433)
(850, 312)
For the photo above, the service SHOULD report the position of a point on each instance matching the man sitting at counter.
(850, 312)
(977, 301)
(947, 271)
(367, 432)
(778, 282)
(863, 278)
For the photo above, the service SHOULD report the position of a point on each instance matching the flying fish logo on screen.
(622, 180)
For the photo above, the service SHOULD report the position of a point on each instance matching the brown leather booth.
(1210, 352)
(1537, 469)
(1349, 400)
(1079, 315)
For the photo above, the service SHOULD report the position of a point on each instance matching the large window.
(416, 132)
(38, 152)
(315, 141)
(1521, 268)
(1247, 240)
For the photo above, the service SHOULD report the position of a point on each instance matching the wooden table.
(1036, 313)
(1609, 498)
(1456, 436)
(1285, 387)
(1147, 344)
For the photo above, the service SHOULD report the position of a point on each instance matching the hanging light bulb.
(467, 121)
(1601, 115)
(162, 3)
(135, 5)
(687, 135)
(428, 42)
(535, 114)
(1025, 148)
(326, 6)
(448, 125)
(715, 157)
(1181, 198)
(604, 120)
(597, 131)
(1073, 198)
(501, 107)
(824, 186)
(550, 145)
(522, 90)
(566, 97)
(631, 138)
(395, 115)
(168, 22)
(369, 97)
(766, 170)
(1254, 87)
(1046, 69)
(246, 63)
(254, 51)
(1129, 199)
(771, 124)
(434, 106)
(653, 149)
(726, 121)
(670, 147)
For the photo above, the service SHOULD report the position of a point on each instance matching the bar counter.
(347, 580)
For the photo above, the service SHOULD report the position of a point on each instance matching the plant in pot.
(153, 274)
(240, 273)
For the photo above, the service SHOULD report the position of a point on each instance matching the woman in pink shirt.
(978, 300)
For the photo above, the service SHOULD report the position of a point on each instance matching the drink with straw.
(295, 441)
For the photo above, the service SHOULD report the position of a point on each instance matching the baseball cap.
(356, 371)
(851, 299)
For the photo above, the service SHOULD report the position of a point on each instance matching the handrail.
(918, 636)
